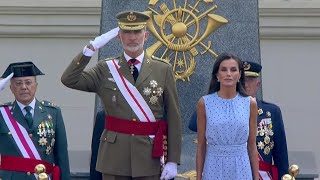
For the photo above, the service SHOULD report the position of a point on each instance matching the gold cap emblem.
(131, 17)
(246, 66)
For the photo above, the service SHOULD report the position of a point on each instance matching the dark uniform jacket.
(126, 154)
(97, 131)
(54, 151)
(271, 137)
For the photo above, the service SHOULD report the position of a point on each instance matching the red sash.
(20, 164)
(31, 156)
(158, 128)
(265, 169)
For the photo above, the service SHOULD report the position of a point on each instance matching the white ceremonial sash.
(20, 136)
(264, 175)
(133, 97)
(131, 94)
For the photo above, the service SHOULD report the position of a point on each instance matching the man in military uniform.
(32, 132)
(138, 93)
(271, 138)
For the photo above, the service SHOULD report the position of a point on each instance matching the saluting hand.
(102, 40)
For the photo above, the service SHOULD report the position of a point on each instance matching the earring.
(218, 80)
(238, 80)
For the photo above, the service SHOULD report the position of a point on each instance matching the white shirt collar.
(139, 58)
(32, 105)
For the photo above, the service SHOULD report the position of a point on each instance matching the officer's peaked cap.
(251, 68)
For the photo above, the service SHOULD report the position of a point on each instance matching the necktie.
(28, 116)
(133, 69)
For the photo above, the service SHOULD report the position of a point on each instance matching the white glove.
(169, 171)
(102, 40)
(4, 81)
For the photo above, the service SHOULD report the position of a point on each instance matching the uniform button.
(28, 173)
(134, 119)
(114, 89)
(30, 135)
(105, 139)
(9, 133)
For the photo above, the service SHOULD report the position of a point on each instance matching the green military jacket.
(52, 148)
(126, 154)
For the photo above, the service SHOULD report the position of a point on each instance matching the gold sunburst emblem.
(178, 32)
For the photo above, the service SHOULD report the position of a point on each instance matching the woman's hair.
(215, 85)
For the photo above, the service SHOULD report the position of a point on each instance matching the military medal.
(132, 63)
(268, 114)
(48, 150)
(153, 100)
(270, 132)
(153, 83)
(267, 139)
(41, 132)
(260, 145)
(261, 132)
(260, 111)
(131, 68)
(52, 142)
(114, 99)
(271, 144)
(42, 141)
(153, 91)
(266, 150)
(147, 91)
(159, 91)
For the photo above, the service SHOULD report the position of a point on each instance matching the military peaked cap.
(132, 20)
(252, 68)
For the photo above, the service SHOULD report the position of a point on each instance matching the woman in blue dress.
(227, 122)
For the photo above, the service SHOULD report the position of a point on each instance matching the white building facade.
(51, 33)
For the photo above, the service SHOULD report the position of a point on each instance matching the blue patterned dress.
(227, 132)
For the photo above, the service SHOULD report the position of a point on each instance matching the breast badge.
(153, 92)
(265, 132)
(46, 134)
(42, 141)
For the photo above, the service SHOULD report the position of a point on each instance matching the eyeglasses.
(19, 84)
